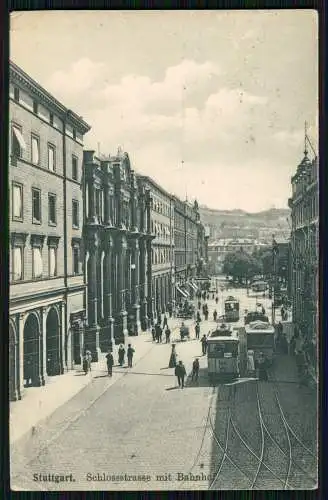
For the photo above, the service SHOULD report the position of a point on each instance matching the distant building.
(47, 285)
(219, 249)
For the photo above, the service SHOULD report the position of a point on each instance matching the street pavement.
(139, 431)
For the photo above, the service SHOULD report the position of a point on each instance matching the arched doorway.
(13, 365)
(31, 351)
(53, 343)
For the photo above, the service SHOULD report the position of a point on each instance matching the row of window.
(160, 230)
(17, 98)
(18, 254)
(18, 146)
(162, 208)
(306, 212)
(18, 207)
(161, 255)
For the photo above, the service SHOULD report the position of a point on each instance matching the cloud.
(232, 155)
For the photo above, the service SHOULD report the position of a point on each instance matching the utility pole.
(274, 271)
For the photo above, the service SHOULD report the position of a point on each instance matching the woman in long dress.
(173, 357)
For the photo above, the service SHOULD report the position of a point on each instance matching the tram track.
(273, 466)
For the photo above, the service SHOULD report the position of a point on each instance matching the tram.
(222, 353)
(260, 338)
(259, 286)
(231, 309)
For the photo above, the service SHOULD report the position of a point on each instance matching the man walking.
(180, 373)
(197, 330)
(164, 321)
(130, 353)
(204, 344)
(110, 362)
(167, 335)
(195, 370)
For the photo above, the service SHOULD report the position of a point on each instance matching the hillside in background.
(241, 224)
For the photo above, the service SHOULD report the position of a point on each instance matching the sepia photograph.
(163, 250)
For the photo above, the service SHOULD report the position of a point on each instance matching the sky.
(210, 104)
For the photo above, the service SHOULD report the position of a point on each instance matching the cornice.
(16, 74)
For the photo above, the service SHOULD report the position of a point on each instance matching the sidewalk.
(39, 403)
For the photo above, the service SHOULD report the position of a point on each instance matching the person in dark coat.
(198, 318)
(262, 367)
(158, 332)
(130, 353)
(167, 335)
(164, 321)
(173, 357)
(215, 315)
(213, 296)
(121, 354)
(180, 373)
(197, 330)
(216, 299)
(153, 332)
(110, 362)
(195, 370)
(206, 315)
(204, 344)
(199, 305)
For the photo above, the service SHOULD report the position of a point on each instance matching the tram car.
(259, 286)
(222, 353)
(256, 315)
(260, 338)
(231, 309)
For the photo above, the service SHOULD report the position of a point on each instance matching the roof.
(260, 326)
(16, 73)
(222, 339)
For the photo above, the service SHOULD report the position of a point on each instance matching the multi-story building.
(118, 238)
(162, 254)
(46, 303)
(187, 246)
(304, 204)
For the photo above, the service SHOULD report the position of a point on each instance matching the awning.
(19, 138)
(183, 293)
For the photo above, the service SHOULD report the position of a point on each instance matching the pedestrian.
(167, 335)
(110, 362)
(153, 332)
(160, 333)
(170, 309)
(213, 296)
(199, 305)
(195, 370)
(157, 331)
(280, 330)
(206, 315)
(164, 321)
(292, 344)
(85, 364)
(130, 353)
(121, 354)
(198, 318)
(89, 359)
(262, 367)
(215, 315)
(180, 373)
(173, 357)
(216, 299)
(204, 344)
(197, 330)
(282, 312)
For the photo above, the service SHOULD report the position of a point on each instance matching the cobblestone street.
(246, 434)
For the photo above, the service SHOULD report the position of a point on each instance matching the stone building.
(46, 303)
(117, 235)
(162, 253)
(187, 247)
(304, 205)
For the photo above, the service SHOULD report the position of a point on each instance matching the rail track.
(279, 460)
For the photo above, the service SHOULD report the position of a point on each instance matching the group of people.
(121, 357)
(157, 331)
(180, 370)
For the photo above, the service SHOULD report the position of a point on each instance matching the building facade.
(117, 235)
(46, 303)
(189, 247)
(162, 252)
(304, 205)
(219, 249)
